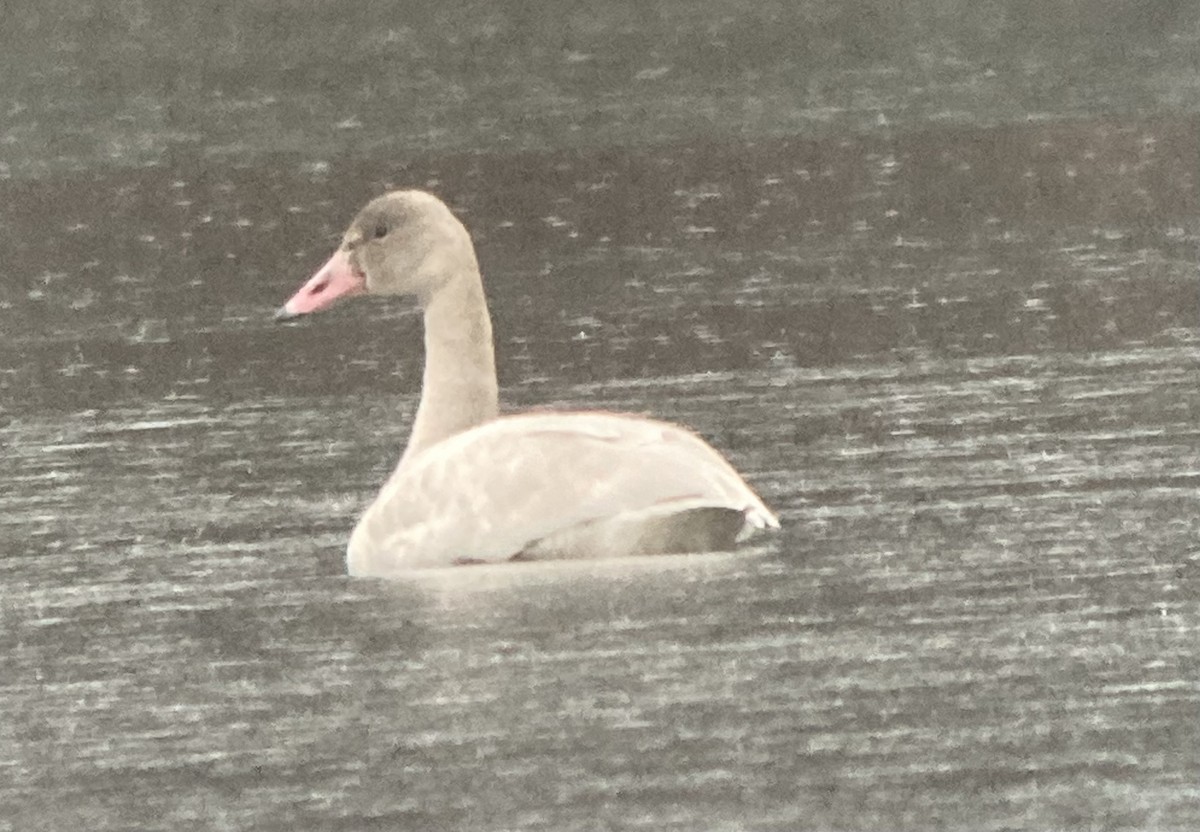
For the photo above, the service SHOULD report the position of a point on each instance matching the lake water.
(955, 349)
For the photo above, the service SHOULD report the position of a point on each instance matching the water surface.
(958, 357)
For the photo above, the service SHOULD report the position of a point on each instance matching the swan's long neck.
(459, 390)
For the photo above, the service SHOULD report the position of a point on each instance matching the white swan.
(473, 487)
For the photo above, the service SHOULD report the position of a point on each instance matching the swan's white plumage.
(472, 487)
(495, 491)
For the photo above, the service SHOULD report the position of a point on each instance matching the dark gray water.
(954, 347)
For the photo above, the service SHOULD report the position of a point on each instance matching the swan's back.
(554, 484)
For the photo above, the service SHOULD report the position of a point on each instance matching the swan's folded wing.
(487, 493)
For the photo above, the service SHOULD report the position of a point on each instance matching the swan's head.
(402, 243)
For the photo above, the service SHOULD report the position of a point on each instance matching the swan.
(473, 486)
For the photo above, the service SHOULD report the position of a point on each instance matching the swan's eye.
(381, 230)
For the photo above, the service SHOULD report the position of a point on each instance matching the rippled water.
(960, 361)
